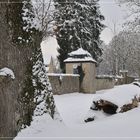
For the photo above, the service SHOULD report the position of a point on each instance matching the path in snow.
(74, 107)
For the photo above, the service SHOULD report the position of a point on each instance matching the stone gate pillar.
(82, 58)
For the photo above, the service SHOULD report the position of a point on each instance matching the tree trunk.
(17, 58)
(25, 60)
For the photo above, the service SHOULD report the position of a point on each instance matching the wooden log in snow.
(131, 105)
(106, 106)
(111, 108)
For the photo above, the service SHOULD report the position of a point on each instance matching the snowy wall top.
(123, 71)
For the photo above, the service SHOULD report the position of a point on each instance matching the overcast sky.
(113, 14)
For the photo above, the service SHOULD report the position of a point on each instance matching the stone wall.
(104, 83)
(130, 79)
(125, 80)
(64, 83)
(69, 83)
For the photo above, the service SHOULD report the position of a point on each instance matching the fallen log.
(130, 106)
(106, 106)
(111, 108)
(117, 100)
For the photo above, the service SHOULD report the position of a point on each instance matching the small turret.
(81, 62)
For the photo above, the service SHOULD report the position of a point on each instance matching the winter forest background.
(25, 91)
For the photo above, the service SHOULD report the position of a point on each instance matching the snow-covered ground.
(74, 108)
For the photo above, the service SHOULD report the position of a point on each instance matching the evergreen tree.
(43, 97)
(78, 24)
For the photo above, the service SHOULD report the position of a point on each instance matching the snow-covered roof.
(86, 59)
(80, 52)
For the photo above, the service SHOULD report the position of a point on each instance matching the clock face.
(75, 66)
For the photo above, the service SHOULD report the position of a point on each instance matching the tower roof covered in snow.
(80, 55)
(79, 52)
